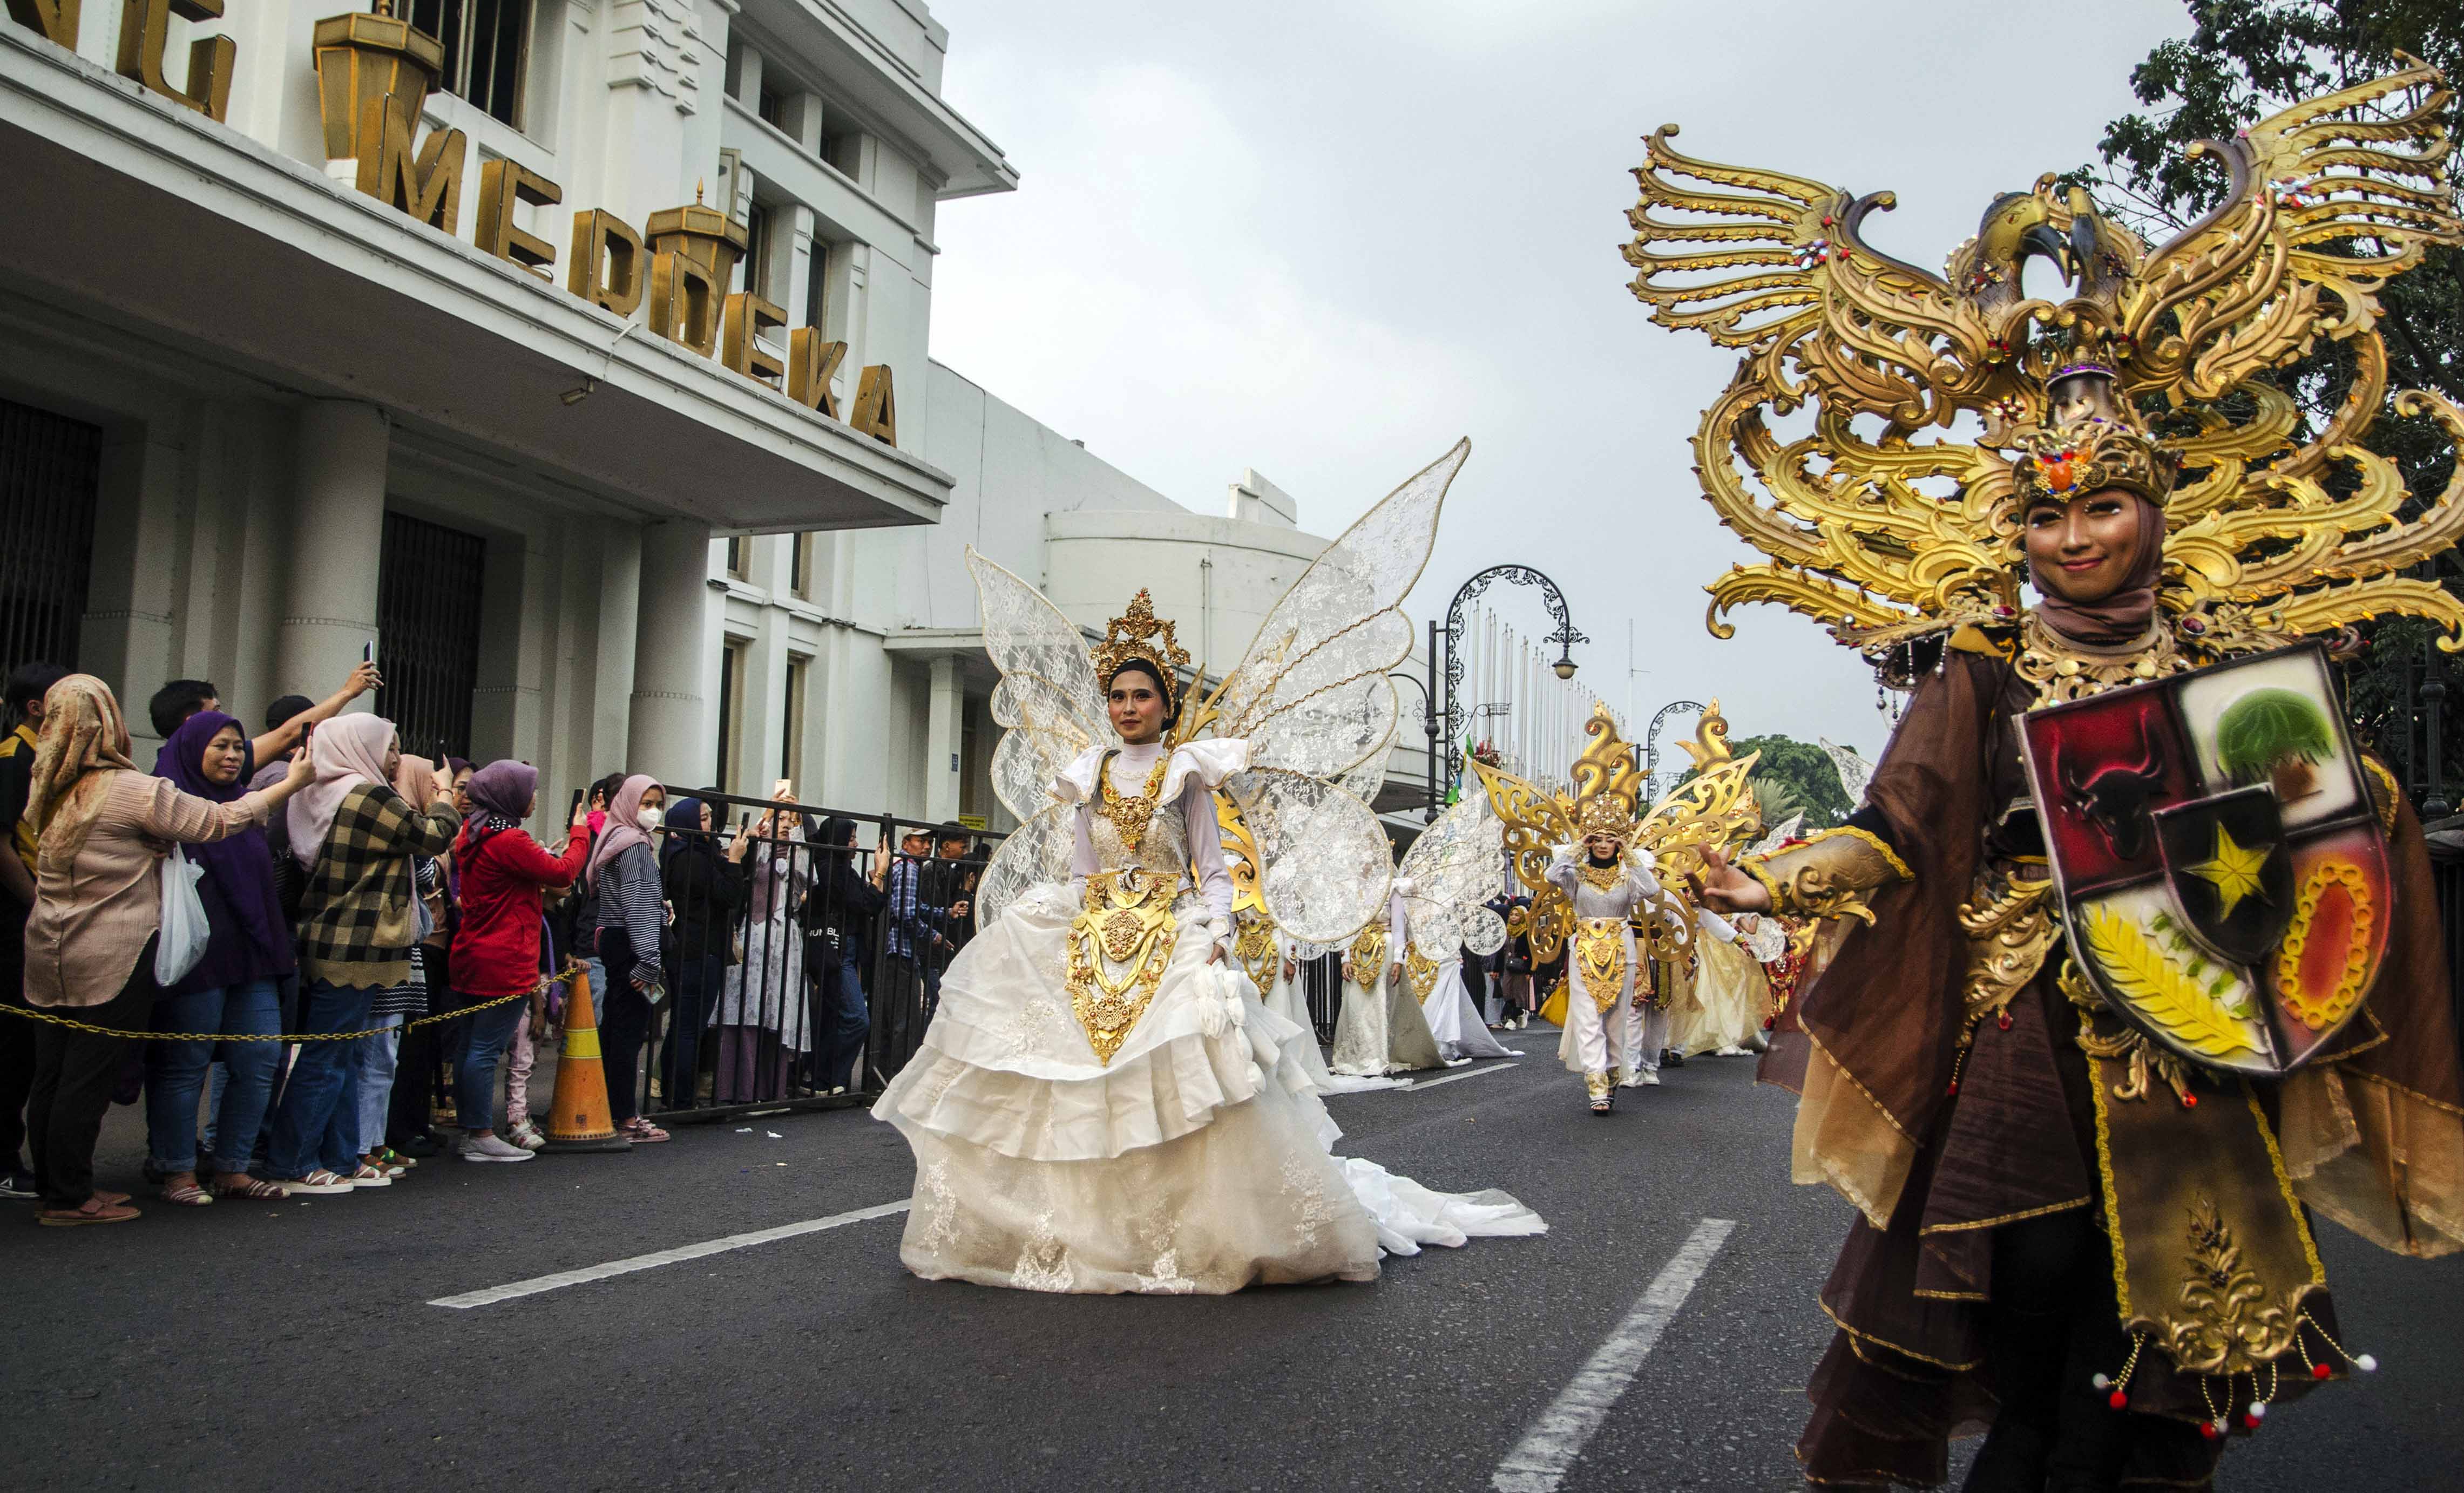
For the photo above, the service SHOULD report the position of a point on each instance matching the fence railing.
(803, 970)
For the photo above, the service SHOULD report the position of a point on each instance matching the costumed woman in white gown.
(1381, 1028)
(1443, 881)
(1270, 958)
(1102, 1104)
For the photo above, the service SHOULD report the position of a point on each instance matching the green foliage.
(1800, 771)
(2268, 727)
(2243, 60)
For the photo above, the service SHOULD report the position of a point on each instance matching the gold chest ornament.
(1600, 948)
(1253, 946)
(1369, 955)
(1603, 878)
(1130, 816)
(1125, 923)
(1421, 971)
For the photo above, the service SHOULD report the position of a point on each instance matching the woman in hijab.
(624, 879)
(763, 1011)
(379, 1054)
(841, 907)
(359, 921)
(89, 944)
(705, 889)
(234, 989)
(496, 945)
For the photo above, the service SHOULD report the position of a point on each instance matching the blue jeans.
(175, 1072)
(318, 1123)
(483, 1046)
(843, 1029)
(379, 1058)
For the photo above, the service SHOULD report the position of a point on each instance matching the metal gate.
(429, 585)
(51, 473)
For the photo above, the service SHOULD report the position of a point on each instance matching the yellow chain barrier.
(545, 981)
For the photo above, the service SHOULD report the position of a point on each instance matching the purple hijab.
(248, 937)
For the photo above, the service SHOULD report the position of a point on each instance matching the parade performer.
(1593, 867)
(1732, 994)
(1381, 1029)
(2153, 973)
(1101, 1103)
(1268, 958)
(1444, 880)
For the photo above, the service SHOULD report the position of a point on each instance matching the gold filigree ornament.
(2010, 929)
(1120, 943)
(1421, 971)
(1253, 946)
(2117, 1041)
(1600, 952)
(1369, 955)
(1877, 522)
(1715, 808)
(2225, 1324)
(1131, 814)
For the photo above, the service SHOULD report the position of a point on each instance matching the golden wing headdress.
(2274, 531)
(1711, 808)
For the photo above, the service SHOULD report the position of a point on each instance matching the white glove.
(1715, 924)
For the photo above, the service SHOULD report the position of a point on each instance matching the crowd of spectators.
(351, 892)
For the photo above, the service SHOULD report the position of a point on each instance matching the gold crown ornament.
(1880, 522)
(1138, 633)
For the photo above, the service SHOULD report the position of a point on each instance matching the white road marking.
(1557, 1435)
(1499, 1066)
(664, 1257)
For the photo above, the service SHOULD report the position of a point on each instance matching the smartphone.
(783, 789)
(368, 652)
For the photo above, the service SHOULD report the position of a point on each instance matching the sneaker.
(16, 1181)
(492, 1148)
(1649, 1078)
(319, 1183)
(526, 1135)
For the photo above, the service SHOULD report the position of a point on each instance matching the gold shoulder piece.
(2384, 793)
(1973, 639)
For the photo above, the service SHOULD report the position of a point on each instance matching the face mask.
(648, 819)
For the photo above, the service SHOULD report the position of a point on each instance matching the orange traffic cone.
(579, 1119)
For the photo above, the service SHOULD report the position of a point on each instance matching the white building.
(572, 351)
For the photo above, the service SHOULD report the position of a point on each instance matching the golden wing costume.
(1973, 1100)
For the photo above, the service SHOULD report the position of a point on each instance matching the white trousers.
(1593, 1044)
(1647, 1032)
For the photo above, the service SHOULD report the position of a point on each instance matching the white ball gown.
(1195, 1157)
(1454, 1021)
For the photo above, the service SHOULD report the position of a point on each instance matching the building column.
(337, 543)
(943, 723)
(670, 728)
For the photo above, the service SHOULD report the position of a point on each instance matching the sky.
(1326, 240)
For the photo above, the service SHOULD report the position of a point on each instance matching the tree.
(2244, 60)
(1801, 772)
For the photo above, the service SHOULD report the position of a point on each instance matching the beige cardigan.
(90, 924)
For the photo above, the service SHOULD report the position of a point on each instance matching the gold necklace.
(2061, 669)
(1130, 816)
(1605, 878)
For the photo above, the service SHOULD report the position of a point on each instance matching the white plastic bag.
(181, 942)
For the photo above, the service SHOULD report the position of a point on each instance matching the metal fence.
(799, 972)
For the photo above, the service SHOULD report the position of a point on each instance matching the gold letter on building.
(684, 302)
(748, 316)
(876, 405)
(428, 186)
(601, 237)
(501, 185)
(144, 27)
(55, 19)
(811, 364)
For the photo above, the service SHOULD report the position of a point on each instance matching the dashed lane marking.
(1497, 1065)
(1557, 1435)
(664, 1257)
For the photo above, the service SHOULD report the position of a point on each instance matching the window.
(842, 148)
(791, 753)
(771, 107)
(731, 699)
(429, 588)
(800, 565)
(487, 50)
(817, 284)
(740, 556)
(753, 273)
(51, 476)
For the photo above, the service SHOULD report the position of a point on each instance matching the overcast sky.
(1324, 240)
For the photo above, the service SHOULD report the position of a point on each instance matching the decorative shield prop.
(2223, 876)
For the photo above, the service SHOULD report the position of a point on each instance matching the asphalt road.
(294, 1346)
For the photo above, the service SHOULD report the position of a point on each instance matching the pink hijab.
(624, 829)
(346, 751)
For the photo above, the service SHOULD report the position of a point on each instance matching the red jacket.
(496, 948)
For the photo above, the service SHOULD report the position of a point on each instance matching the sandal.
(387, 1157)
(71, 1218)
(250, 1190)
(641, 1131)
(187, 1195)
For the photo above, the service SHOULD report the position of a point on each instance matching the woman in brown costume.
(2085, 1234)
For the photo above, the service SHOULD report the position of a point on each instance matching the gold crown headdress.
(1607, 784)
(1138, 633)
(2274, 531)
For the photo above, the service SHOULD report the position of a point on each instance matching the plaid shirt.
(358, 920)
(913, 924)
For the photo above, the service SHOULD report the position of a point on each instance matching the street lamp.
(1651, 746)
(1564, 637)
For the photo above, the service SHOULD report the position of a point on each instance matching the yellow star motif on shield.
(2232, 872)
